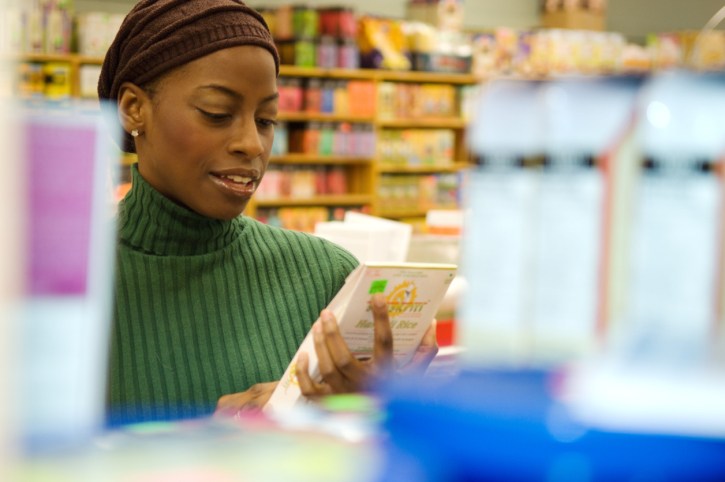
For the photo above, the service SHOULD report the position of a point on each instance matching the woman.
(211, 305)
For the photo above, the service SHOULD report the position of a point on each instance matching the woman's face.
(208, 131)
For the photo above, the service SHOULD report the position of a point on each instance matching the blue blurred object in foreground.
(492, 425)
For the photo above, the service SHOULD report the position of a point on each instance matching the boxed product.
(413, 292)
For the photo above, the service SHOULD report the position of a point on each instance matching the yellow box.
(574, 19)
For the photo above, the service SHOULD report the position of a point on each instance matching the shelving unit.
(329, 200)
(363, 174)
(295, 158)
(456, 167)
(322, 117)
(74, 60)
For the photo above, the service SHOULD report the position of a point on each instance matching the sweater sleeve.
(346, 261)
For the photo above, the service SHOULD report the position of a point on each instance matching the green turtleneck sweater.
(205, 307)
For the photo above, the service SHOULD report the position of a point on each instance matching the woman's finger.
(308, 386)
(253, 398)
(351, 371)
(332, 358)
(383, 333)
(426, 351)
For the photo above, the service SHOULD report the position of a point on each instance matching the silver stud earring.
(134, 133)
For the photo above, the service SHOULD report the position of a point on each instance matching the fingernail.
(326, 316)
(378, 300)
(317, 327)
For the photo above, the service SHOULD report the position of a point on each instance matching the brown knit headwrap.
(159, 35)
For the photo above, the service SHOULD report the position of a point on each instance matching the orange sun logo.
(403, 294)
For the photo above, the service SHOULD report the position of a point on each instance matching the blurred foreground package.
(592, 322)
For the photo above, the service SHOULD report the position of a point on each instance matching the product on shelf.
(301, 52)
(88, 75)
(399, 100)
(446, 15)
(339, 22)
(30, 81)
(46, 26)
(280, 145)
(309, 37)
(57, 77)
(342, 139)
(313, 95)
(328, 95)
(382, 44)
(412, 195)
(416, 147)
(699, 50)
(302, 182)
(48, 81)
(95, 32)
(506, 52)
(304, 218)
(574, 14)
(362, 98)
(438, 50)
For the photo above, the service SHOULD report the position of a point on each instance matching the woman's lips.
(236, 184)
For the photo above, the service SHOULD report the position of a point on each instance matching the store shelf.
(363, 174)
(414, 213)
(406, 169)
(70, 58)
(304, 159)
(322, 117)
(342, 74)
(424, 123)
(377, 75)
(342, 200)
(425, 77)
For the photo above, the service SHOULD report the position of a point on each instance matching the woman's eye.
(215, 116)
(266, 122)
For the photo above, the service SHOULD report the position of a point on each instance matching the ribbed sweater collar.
(150, 222)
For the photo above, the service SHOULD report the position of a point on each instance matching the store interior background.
(633, 18)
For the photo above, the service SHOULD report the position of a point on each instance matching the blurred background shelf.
(343, 200)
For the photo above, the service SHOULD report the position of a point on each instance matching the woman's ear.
(132, 106)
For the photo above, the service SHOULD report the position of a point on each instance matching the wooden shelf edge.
(403, 169)
(70, 58)
(323, 117)
(342, 200)
(431, 77)
(292, 70)
(294, 158)
(378, 74)
(418, 213)
(428, 123)
(404, 214)
(353, 74)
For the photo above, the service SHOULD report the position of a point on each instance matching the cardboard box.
(575, 20)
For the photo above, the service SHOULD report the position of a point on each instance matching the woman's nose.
(246, 139)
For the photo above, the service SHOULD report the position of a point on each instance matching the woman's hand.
(426, 352)
(251, 400)
(341, 372)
